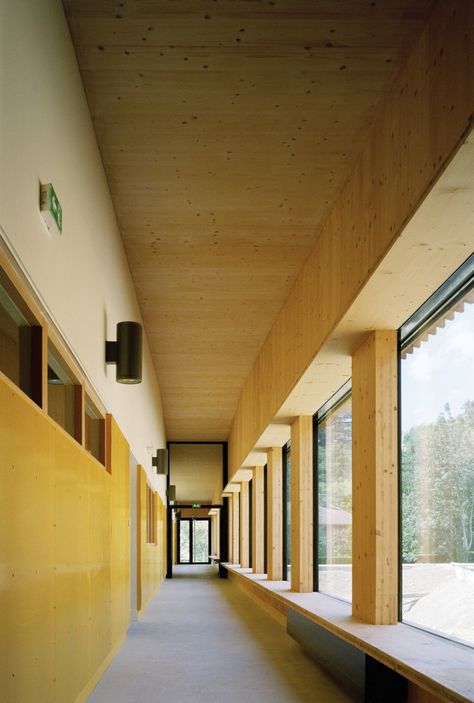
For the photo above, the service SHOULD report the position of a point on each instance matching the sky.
(440, 371)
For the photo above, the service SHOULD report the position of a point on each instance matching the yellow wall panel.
(120, 532)
(65, 555)
(71, 577)
(99, 566)
(26, 550)
(150, 557)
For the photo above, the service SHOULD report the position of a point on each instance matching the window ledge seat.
(441, 667)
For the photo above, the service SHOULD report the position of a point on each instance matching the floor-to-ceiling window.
(286, 512)
(437, 461)
(333, 482)
(265, 520)
(250, 528)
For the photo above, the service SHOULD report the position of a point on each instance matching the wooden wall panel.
(99, 542)
(275, 514)
(74, 610)
(424, 118)
(150, 556)
(375, 479)
(302, 504)
(120, 530)
(27, 548)
(65, 598)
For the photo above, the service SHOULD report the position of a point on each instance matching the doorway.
(194, 540)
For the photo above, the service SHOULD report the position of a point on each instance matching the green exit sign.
(196, 505)
(50, 207)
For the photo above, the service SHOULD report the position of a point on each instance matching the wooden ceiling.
(226, 129)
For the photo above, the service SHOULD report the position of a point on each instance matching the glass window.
(201, 534)
(64, 395)
(94, 431)
(250, 524)
(437, 462)
(287, 512)
(20, 343)
(334, 493)
(265, 520)
(184, 541)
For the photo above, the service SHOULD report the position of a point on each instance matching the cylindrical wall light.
(161, 461)
(171, 493)
(126, 352)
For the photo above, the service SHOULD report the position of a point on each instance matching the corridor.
(202, 640)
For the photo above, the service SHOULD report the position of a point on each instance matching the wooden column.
(257, 521)
(375, 482)
(235, 528)
(302, 504)
(274, 515)
(244, 525)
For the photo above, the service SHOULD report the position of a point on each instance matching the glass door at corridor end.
(194, 540)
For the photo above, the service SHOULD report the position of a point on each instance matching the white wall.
(46, 135)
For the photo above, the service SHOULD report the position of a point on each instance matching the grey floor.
(203, 640)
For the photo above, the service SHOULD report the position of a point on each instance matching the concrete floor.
(203, 640)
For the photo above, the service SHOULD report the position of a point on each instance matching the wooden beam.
(426, 115)
(274, 514)
(419, 695)
(375, 488)
(235, 528)
(244, 524)
(257, 521)
(302, 504)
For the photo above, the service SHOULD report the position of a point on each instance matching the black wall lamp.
(171, 493)
(126, 352)
(161, 462)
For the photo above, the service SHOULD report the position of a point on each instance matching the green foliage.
(438, 489)
(335, 482)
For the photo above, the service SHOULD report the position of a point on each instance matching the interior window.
(94, 431)
(20, 343)
(64, 395)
